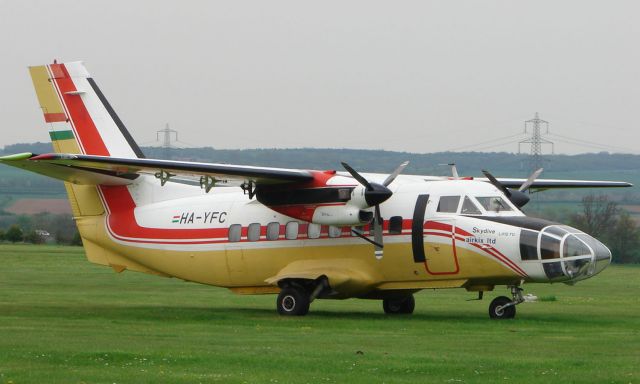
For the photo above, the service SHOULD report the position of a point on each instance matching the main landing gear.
(504, 308)
(399, 305)
(296, 296)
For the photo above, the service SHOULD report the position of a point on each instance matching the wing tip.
(17, 157)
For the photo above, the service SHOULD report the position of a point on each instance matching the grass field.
(64, 320)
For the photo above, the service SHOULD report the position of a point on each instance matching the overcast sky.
(417, 76)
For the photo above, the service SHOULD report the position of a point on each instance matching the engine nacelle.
(357, 198)
(341, 215)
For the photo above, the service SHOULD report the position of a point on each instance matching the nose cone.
(602, 257)
(579, 268)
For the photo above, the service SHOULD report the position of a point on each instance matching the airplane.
(300, 234)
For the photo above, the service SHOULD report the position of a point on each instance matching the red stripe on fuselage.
(122, 221)
(122, 225)
(492, 251)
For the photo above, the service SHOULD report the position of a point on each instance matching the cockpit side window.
(448, 204)
(549, 247)
(469, 207)
(528, 245)
(494, 204)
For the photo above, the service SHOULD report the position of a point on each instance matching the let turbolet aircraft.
(302, 234)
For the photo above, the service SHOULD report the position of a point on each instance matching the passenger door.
(433, 241)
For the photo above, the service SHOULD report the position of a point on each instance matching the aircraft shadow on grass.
(186, 314)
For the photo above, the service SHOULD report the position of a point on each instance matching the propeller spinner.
(374, 195)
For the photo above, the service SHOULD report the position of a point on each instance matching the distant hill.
(469, 163)
(588, 166)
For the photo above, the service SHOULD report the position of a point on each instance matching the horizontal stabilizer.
(104, 170)
(70, 173)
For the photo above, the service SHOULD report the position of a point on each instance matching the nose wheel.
(504, 308)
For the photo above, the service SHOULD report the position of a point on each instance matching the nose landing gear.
(504, 308)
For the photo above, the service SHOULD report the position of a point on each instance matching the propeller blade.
(365, 238)
(496, 183)
(530, 180)
(395, 174)
(375, 194)
(357, 176)
(377, 233)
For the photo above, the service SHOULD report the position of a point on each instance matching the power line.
(586, 143)
(494, 143)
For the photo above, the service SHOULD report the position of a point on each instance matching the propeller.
(374, 195)
(517, 197)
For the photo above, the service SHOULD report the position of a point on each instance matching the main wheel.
(397, 306)
(293, 301)
(496, 310)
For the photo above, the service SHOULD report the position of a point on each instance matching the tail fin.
(81, 121)
(80, 118)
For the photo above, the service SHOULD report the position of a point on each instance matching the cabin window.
(494, 204)
(335, 231)
(235, 231)
(528, 245)
(448, 204)
(253, 234)
(469, 207)
(273, 231)
(313, 232)
(395, 225)
(291, 230)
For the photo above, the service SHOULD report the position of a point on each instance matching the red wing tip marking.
(47, 156)
(52, 156)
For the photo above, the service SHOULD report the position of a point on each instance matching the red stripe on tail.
(84, 127)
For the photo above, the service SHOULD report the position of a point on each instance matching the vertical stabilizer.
(80, 120)
(79, 117)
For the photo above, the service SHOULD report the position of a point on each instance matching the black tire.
(496, 312)
(399, 306)
(293, 301)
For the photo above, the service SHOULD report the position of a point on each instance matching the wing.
(94, 170)
(543, 184)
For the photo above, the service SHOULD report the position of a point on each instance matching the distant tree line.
(502, 164)
(604, 220)
(39, 228)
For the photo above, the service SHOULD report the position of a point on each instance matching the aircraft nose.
(600, 256)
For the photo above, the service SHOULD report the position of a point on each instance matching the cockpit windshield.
(469, 207)
(494, 204)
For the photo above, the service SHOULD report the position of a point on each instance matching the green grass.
(64, 320)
